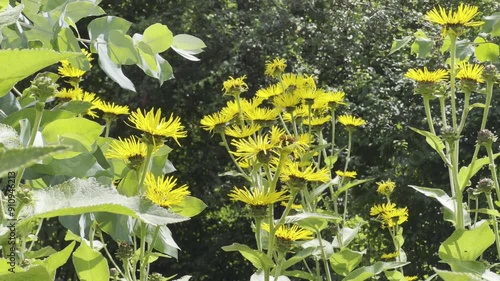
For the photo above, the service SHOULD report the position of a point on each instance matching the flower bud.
(449, 135)
(485, 185)
(485, 137)
(490, 72)
(155, 277)
(124, 251)
(42, 87)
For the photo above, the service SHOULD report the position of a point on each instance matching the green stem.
(110, 257)
(349, 143)
(145, 169)
(495, 223)
(258, 230)
(332, 113)
(279, 264)
(487, 103)
(428, 114)
(325, 259)
(142, 253)
(493, 169)
(108, 127)
(465, 112)
(453, 49)
(145, 261)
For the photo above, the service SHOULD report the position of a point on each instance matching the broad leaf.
(366, 272)
(89, 264)
(314, 221)
(348, 234)
(9, 138)
(78, 128)
(475, 166)
(79, 196)
(25, 157)
(188, 46)
(36, 272)
(191, 207)
(457, 276)
(13, 70)
(434, 141)
(345, 261)
(59, 259)
(492, 24)
(397, 44)
(103, 25)
(467, 245)
(158, 37)
(121, 48)
(486, 51)
(257, 258)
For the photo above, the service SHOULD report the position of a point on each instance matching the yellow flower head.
(293, 233)
(350, 121)
(261, 115)
(471, 72)
(386, 187)
(67, 70)
(164, 191)
(237, 131)
(296, 177)
(395, 217)
(426, 76)
(215, 122)
(317, 121)
(382, 208)
(235, 86)
(90, 97)
(390, 255)
(454, 21)
(261, 147)
(131, 150)
(112, 109)
(333, 99)
(286, 101)
(67, 94)
(270, 91)
(275, 68)
(257, 196)
(346, 174)
(155, 126)
(411, 278)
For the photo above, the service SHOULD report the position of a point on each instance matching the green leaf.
(3, 4)
(394, 275)
(9, 16)
(80, 196)
(257, 258)
(434, 141)
(29, 113)
(15, 159)
(491, 212)
(345, 261)
(366, 272)
(464, 50)
(89, 264)
(158, 37)
(13, 70)
(66, 41)
(422, 46)
(113, 70)
(477, 165)
(164, 242)
(443, 198)
(188, 46)
(397, 44)
(116, 226)
(298, 274)
(80, 166)
(36, 272)
(300, 256)
(9, 138)
(43, 252)
(78, 128)
(121, 48)
(58, 259)
(348, 234)
(457, 276)
(492, 24)
(103, 25)
(191, 207)
(486, 51)
(129, 186)
(312, 221)
(475, 267)
(75, 11)
(467, 245)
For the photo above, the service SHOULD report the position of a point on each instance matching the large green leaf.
(467, 245)
(80, 196)
(478, 164)
(257, 258)
(89, 264)
(13, 69)
(121, 48)
(59, 259)
(103, 25)
(10, 16)
(36, 272)
(29, 113)
(113, 70)
(345, 261)
(15, 159)
(434, 141)
(486, 51)
(75, 11)
(158, 37)
(67, 42)
(314, 221)
(81, 129)
(191, 207)
(492, 24)
(366, 272)
(397, 44)
(457, 276)
(188, 46)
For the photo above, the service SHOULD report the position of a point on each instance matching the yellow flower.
(87, 55)
(90, 97)
(275, 68)
(257, 196)
(66, 94)
(386, 187)
(153, 124)
(110, 108)
(390, 255)
(351, 121)
(286, 101)
(395, 217)
(293, 233)
(333, 99)
(317, 121)
(234, 86)
(426, 76)
(260, 147)
(382, 209)
(295, 176)
(67, 70)
(471, 72)
(293, 206)
(215, 122)
(164, 191)
(237, 131)
(347, 174)
(261, 115)
(411, 278)
(270, 91)
(131, 150)
(454, 21)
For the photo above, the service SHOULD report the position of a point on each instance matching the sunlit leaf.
(89, 264)
(15, 159)
(486, 51)
(467, 245)
(257, 258)
(158, 37)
